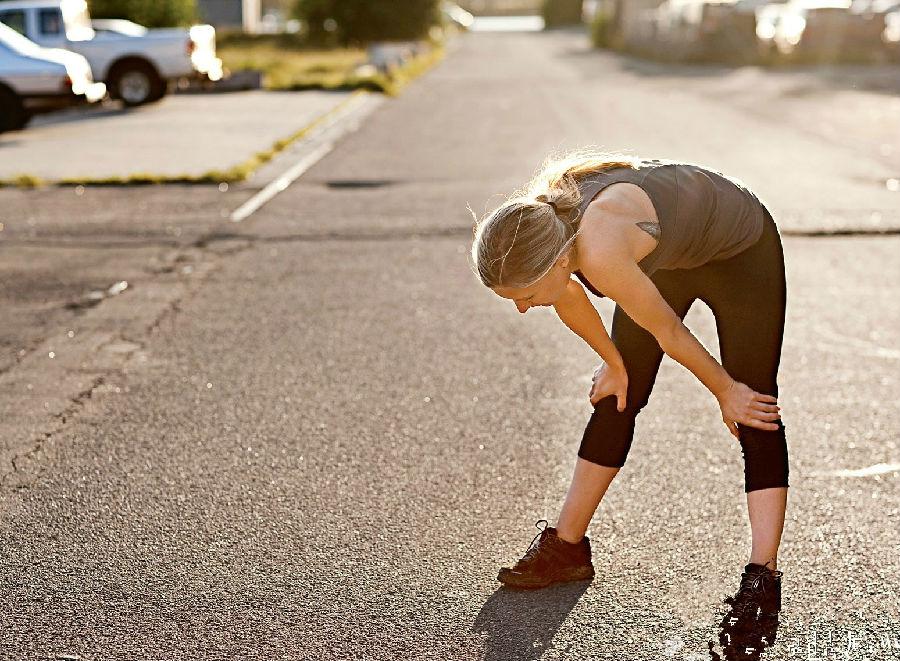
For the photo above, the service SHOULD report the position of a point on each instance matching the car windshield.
(12, 39)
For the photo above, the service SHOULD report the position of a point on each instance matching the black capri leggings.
(747, 295)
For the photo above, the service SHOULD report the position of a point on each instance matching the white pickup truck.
(35, 79)
(135, 64)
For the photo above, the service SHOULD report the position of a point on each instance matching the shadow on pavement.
(746, 642)
(72, 115)
(521, 624)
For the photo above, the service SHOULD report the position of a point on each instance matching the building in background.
(633, 22)
(243, 15)
(501, 7)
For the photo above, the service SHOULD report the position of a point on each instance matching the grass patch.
(23, 181)
(415, 68)
(289, 64)
(286, 63)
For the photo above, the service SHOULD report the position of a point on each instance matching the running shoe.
(758, 595)
(549, 560)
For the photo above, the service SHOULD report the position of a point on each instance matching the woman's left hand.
(741, 404)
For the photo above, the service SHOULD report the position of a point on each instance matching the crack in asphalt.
(80, 243)
(357, 235)
(76, 402)
(377, 235)
(217, 237)
(882, 231)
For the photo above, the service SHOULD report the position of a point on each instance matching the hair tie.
(545, 199)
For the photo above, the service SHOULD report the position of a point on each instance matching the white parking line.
(318, 143)
(254, 203)
(875, 469)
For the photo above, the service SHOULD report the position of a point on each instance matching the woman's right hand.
(609, 380)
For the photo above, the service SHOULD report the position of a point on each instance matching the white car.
(35, 79)
(136, 63)
(891, 34)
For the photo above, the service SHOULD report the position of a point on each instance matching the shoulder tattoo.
(650, 228)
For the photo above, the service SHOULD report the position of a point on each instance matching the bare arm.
(578, 313)
(622, 280)
(606, 259)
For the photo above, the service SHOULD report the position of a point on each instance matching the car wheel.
(136, 83)
(160, 92)
(24, 118)
(12, 114)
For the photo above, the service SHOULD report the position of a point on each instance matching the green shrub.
(152, 13)
(353, 22)
(561, 12)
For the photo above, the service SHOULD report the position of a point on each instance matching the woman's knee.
(608, 434)
(765, 457)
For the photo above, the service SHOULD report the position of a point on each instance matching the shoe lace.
(752, 586)
(534, 546)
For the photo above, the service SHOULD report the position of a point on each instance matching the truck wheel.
(162, 90)
(12, 114)
(136, 83)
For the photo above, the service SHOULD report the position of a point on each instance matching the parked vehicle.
(886, 14)
(35, 79)
(727, 31)
(107, 26)
(767, 18)
(706, 30)
(825, 30)
(874, 6)
(891, 34)
(455, 14)
(136, 63)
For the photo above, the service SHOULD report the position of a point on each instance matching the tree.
(362, 21)
(561, 12)
(152, 13)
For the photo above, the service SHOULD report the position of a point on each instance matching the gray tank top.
(703, 215)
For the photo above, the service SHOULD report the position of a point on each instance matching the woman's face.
(544, 292)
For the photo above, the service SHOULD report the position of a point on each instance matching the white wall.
(252, 12)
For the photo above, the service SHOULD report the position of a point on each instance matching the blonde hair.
(519, 241)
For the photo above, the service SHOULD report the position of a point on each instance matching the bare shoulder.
(608, 225)
(624, 199)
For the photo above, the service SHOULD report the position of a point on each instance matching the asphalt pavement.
(323, 439)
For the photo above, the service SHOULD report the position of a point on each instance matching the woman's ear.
(566, 261)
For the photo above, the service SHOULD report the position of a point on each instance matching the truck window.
(14, 18)
(50, 21)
